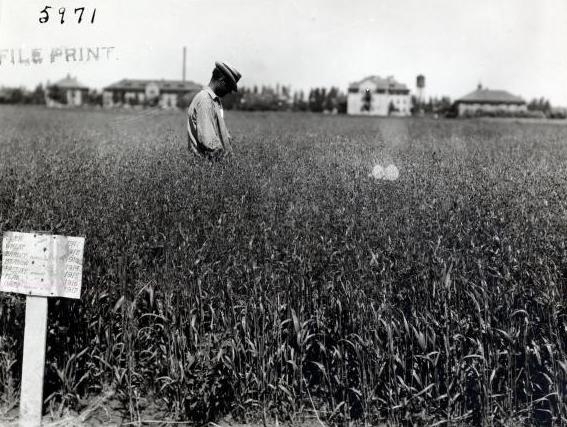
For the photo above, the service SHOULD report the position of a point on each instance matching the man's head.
(224, 79)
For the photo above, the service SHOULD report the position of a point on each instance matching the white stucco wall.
(74, 97)
(379, 104)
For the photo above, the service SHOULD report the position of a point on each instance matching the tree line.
(18, 95)
(273, 98)
(37, 96)
(282, 98)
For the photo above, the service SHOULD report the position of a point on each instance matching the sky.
(513, 45)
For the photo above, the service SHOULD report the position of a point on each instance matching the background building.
(420, 89)
(378, 96)
(67, 91)
(165, 93)
(483, 101)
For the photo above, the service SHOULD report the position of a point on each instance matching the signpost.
(39, 266)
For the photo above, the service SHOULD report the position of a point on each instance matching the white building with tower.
(377, 96)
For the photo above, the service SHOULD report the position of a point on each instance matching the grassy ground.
(290, 281)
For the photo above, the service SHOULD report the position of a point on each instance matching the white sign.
(42, 264)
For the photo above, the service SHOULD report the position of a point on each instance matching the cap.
(230, 72)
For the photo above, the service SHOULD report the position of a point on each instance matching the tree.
(94, 98)
(444, 105)
(415, 107)
(428, 108)
(299, 103)
(38, 95)
(540, 104)
(331, 99)
(341, 103)
(316, 100)
(57, 94)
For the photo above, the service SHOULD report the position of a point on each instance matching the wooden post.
(31, 398)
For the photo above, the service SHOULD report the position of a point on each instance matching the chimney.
(184, 61)
(479, 87)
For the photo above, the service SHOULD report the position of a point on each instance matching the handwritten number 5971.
(44, 14)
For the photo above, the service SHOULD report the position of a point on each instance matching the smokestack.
(184, 60)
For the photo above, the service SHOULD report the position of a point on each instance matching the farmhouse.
(378, 96)
(67, 91)
(165, 93)
(483, 101)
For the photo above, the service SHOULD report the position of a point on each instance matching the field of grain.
(291, 282)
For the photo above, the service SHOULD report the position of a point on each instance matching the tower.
(420, 84)
(184, 61)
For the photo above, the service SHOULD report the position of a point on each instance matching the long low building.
(485, 100)
(378, 96)
(165, 93)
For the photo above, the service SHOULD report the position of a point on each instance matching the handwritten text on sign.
(42, 264)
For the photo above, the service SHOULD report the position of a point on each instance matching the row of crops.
(289, 281)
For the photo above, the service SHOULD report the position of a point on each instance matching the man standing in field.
(207, 133)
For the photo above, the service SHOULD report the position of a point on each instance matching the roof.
(381, 83)
(69, 83)
(487, 96)
(163, 85)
